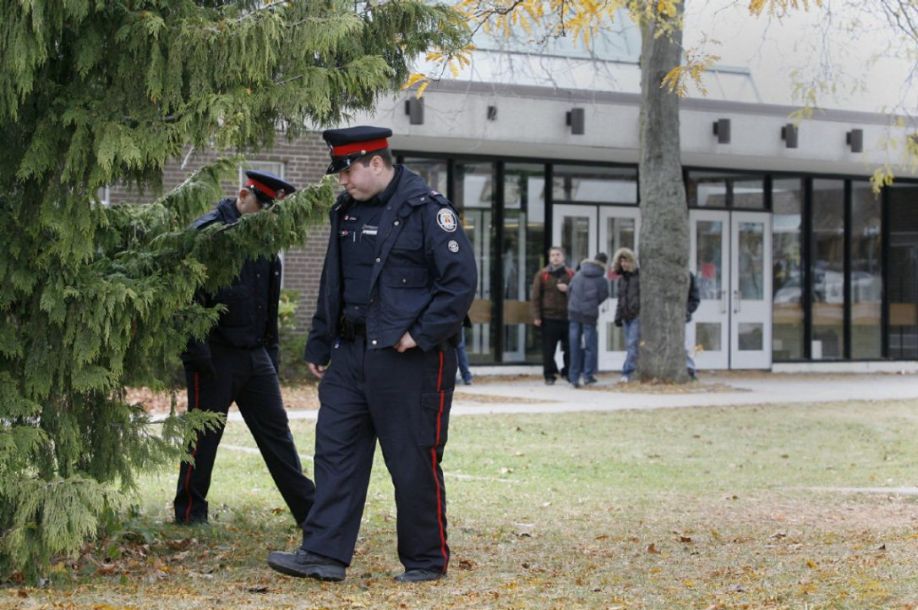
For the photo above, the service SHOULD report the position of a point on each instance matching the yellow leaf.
(414, 79)
(422, 88)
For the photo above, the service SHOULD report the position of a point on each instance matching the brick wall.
(304, 161)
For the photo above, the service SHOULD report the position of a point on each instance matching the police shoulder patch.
(447, 220)
(453, 245)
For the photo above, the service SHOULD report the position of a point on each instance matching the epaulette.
(429, 197)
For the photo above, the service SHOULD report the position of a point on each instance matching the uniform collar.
(384, 197)
(229, 211)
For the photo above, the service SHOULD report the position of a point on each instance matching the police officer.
(398, 280)
(238, 362)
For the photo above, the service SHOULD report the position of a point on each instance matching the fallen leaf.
(465, 564)
(257, 589)
(685, 539)
(652, 548)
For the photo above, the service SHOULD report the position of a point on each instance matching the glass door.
(618, 228)
(707, 335)
(574, 229)
(750, 290)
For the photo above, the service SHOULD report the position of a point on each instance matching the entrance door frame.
(727, 307)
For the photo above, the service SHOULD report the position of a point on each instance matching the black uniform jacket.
(250, 319)
(424, 277)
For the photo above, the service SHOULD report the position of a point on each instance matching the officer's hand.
(405, 343)
(316, 369)
(562, 287)
(537, 322)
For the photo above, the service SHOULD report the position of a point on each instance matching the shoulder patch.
(447, 220)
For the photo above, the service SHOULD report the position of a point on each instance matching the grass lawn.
(710, 508)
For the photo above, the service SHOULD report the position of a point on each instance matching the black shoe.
(192, 520)
(590, 381)
(575, 385)
(692, 375)
(549, 381)
(302, 563)
(419, 575)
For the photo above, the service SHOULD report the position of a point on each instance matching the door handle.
(723, 301)
(737, 301)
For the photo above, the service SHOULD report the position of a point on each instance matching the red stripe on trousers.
(194, 454)
(433, 463)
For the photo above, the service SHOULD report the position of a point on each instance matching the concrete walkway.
(531, 395)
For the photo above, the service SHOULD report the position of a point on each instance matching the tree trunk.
(664, 238)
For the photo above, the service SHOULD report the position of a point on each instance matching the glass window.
(524, 236)
(828, 269)
(749, 194)
(433, 171)
(787, 273)
(752, 261)
(705, 190)
(573, 183)
(473, 193)
(722, 190)
(621, 232)
(866, 286)
(903, 271)
(709, 272)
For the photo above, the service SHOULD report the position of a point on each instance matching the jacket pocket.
(433, 422)
(406, 277)
(238, 306)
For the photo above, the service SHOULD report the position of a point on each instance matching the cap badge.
(447, 220)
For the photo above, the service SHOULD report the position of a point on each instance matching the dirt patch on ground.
(798, 512)
(303, 397)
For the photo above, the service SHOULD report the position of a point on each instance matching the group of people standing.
(565, 305)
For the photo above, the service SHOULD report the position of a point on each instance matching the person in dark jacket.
(691, 304)
(238, 363)
(589, 288)
(628, 309)
(398, 281)
(548, 307)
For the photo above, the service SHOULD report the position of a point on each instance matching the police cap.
(351, 143)
(266, 186)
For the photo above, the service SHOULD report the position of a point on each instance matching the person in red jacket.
(548, 305)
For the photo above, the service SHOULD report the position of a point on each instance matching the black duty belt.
(350, 329)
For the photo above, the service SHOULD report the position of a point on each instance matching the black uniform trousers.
(247, 377)
(404, 401)
(552, 332)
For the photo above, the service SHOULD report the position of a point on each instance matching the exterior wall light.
(722, 131)
(492, 113)
(855, 139)
(577, 120)
(789, 135)
(414, 108)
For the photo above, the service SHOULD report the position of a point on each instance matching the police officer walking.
(398, 280)
(238, 362)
